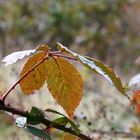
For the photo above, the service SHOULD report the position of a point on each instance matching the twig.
(64, 56)
(43, 121)
(54, 52)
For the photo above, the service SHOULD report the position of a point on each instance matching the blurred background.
(108, 30)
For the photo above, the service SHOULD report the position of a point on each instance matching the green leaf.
(54, 111)
(38, 132)
(35, 116)
(98, 67)
(61, 121)
(73, 125)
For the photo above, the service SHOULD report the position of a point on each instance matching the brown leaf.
(44, 48)
(98, 67)
(36, 78)
(65, 84)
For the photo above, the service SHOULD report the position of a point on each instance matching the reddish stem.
(64, 56)
(55, 52)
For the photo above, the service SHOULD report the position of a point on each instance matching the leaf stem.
(18, 81)
(64, 56)
(55, 52)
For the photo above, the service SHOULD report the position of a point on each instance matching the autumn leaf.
(44, 48)
(65, 84)
(68, 136)
(136, 101)
(97, 67)
(14, 57)
(36, 78)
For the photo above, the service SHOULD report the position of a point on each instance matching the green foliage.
(38, 132)
(35, 116)
(63, 120)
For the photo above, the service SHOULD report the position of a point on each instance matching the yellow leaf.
(44, 48)
(65, 84)
(36, 78)
(68, 136)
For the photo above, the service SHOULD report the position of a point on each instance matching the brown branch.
(18, 81)
(47, 122)
(42, 120)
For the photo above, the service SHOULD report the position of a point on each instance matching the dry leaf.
(65, 84)
(36, 78)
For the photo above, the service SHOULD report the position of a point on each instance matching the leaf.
(54, 111)
(136, 101)
(68, 136)
(108, 73)
(44, 48)
(36, 78)
(62, 121)
(38, 132)
(73, 125)
(65, 84)
(97, 67)
(35, 116)
(134, 80)
(14, 57)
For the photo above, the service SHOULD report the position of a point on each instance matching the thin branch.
(18, 81)
(54, 52)
(64, 56)
(43, 121)
(63, 128)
